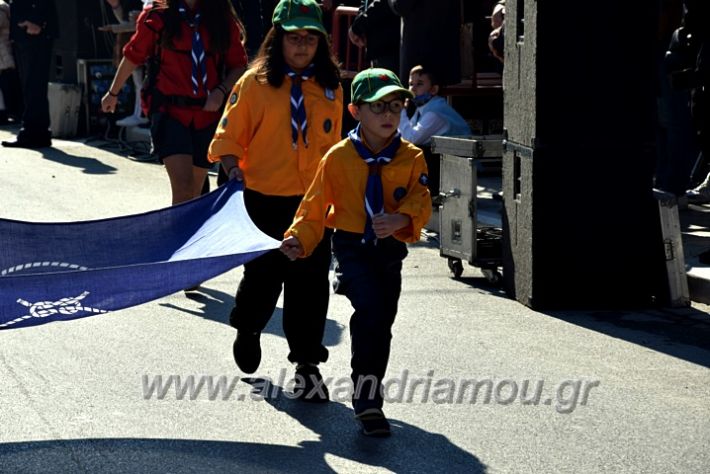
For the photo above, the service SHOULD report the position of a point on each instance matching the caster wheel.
(492, 275)
(456, 267)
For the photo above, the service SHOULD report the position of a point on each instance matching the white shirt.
(422, 126)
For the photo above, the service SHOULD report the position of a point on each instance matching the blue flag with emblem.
(62, 271)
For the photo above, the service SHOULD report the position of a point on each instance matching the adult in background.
(33, 28)
(7, 62)
(430, 35)
(677, 144)
(376, 28)
(256, 16)
(496, 39)
(696, 23)
(121, 10)
(195, 41)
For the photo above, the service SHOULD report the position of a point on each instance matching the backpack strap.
(149, 93)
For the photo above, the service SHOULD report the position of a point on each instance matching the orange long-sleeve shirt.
(256, 127)
(340, 182)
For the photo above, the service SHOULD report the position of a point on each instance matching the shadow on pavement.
(483, 285)
(682, 333)
(409, 449)
(131, 455)
(216, 306)
(89, 165)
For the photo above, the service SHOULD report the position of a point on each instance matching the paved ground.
(695, 226)
(73, 395)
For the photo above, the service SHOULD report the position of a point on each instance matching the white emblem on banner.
(63, 307)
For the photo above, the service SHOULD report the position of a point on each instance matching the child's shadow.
(409, 449)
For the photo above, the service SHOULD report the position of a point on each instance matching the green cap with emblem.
(298, 15)
(373, 84)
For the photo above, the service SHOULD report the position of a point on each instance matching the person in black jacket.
(256, 16)
(34, 28)
(376, 27)
(431, 36)
(696, 77)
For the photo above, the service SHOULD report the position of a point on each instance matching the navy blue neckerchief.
(199, 65)
(374, 194)
(298, 106)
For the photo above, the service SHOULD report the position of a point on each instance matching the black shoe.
(247, 351)
(309, 385)
(31, 144)
(374, 423)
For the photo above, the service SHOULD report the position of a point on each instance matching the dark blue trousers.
(370, 276)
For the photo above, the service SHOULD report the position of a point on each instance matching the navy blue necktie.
(298, 106)
(199, 66)
(374, 194)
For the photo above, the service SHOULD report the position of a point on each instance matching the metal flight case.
(470, 223)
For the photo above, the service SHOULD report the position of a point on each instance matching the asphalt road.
(75, 396)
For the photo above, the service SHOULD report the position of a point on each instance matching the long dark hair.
(215, 15)
(270, 64)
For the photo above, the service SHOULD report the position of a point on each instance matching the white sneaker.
(131, 121)
(701, 194)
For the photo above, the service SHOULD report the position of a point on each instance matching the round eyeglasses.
(378, 107)
(297, 40)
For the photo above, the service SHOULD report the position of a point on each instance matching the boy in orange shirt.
(374, 186)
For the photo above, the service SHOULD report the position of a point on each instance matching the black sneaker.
(309, 385)
(247, 351)
(374, 423)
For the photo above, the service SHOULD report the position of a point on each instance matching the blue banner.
(63, 271)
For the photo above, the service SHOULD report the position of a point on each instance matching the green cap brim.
(302, 24)
(380, 93)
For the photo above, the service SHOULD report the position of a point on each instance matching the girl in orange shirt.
(281, 118)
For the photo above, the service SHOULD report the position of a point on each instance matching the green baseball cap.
(373, 84)
(298, 15)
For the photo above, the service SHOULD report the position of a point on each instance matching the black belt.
(346, 234)
(183, 101)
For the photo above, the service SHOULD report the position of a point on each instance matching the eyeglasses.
(378, 107)
(297, 40)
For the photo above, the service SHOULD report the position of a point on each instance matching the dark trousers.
(370, 276)
(12, 92)
(33, 62)
(305, 283)
(677, 145)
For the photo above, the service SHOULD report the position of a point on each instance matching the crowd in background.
(255, 86)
